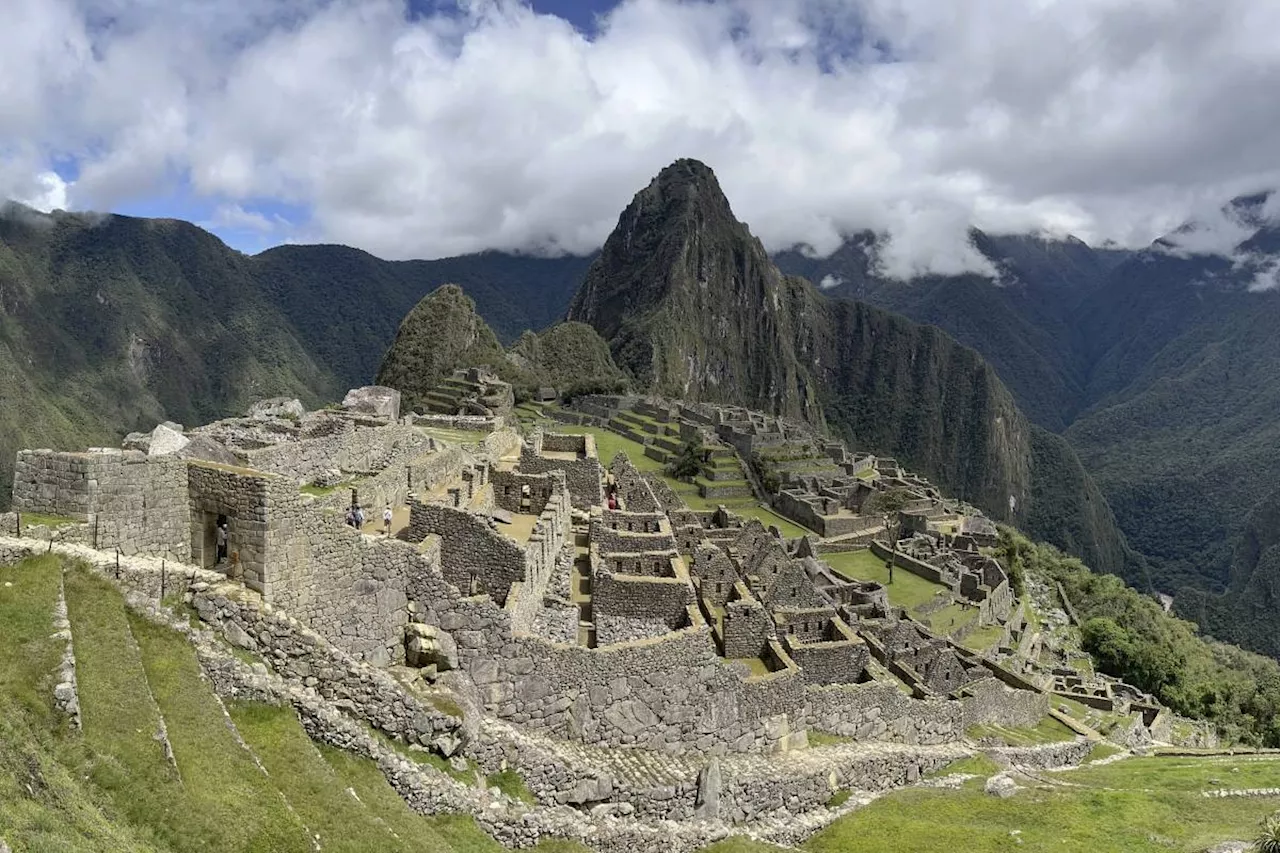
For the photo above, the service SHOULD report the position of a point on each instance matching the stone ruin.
(509, 583)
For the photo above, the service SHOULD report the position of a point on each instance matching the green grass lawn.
(609, 444)
(1132, 806)
(907, 590)
(224, 788)
(982, 639)
(948, 619)
(40, 518)
(46, 801)
(121, 719)
(1048, 730)
(320, 491)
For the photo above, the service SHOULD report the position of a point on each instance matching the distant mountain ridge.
(110, 324)
(1158, 367)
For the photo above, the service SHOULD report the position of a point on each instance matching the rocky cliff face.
(693, 307)
(690, 303)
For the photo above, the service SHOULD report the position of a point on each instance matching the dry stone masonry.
(633, 659)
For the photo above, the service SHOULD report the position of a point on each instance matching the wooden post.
(117, 562)
(163, 580)
(17, 525)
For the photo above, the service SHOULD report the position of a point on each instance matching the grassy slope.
(45, 801)
(113, 788)
(609, 443)
(1135, 806)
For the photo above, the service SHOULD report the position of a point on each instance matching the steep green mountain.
(444, 332)
(692, 306)
(346, 304)
(1160, 368)
(1022, 324)
(1183, 435)
(110, 324)
(570, 357)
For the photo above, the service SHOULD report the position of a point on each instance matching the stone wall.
(349, 586)
(991, 702)
(911, 564)
(136, 503)
(583, 476)
(877, 710)
(636, 494)
(241, 496)
(509, 491)
(656, 599)
(471, 550)
(54, 483)
(747, 626)
(672, 693)
(472, 423)
(302, 655)
(352, 448)
(839, 659)
(475, 552)
(610, 541)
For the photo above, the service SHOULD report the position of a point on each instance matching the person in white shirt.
(386, 519)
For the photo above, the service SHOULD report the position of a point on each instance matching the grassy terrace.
(1134, 806)
(29, 519)
(609, 443)
(907, 590)
(982, 639)
(1048, 730)
(113, 787)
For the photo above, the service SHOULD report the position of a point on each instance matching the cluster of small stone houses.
(624, 626)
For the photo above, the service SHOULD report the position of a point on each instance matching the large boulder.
(373, 400)
(278, 407)
(205, 448)
(165, 440)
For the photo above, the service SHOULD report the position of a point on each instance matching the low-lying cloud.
(423, 134)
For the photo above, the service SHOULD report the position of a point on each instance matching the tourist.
(222, 542)
(386, 519)
(351, 516)
(359, 510)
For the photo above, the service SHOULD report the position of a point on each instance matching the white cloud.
(495, 127)
(829, 281)
(233, 217)
(46, 192)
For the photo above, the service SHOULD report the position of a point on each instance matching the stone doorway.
(205, 549)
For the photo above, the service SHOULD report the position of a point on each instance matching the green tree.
(889, 504)
(689, 464)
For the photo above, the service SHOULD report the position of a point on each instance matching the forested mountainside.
(693, 307)
(444, 332)
(112, 323)
(1160, 367)
(347, 305)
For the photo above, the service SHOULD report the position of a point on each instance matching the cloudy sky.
(440, 127)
